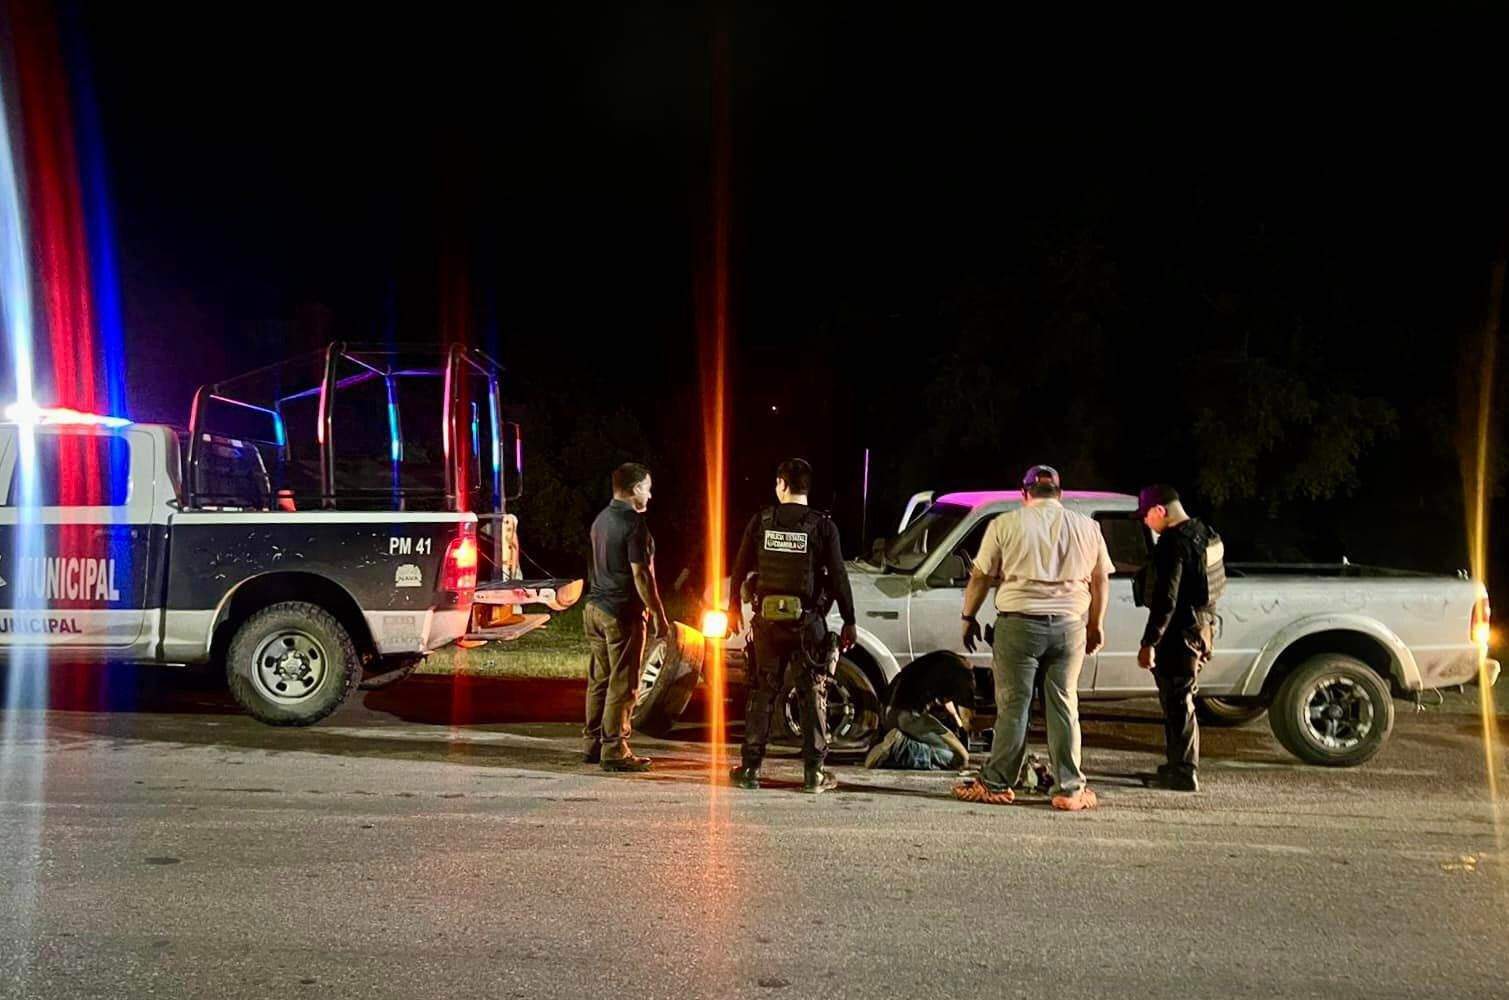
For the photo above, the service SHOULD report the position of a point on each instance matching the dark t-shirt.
(940, 676)
(620, 536)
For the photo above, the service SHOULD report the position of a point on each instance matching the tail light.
(1482, 622)
(459, 571)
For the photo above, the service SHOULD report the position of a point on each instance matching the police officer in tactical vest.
(1180, 588)
(794, 551)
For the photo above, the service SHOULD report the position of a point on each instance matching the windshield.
(906, 551)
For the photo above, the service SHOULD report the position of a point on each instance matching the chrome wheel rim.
(649, 672)
(1337, 713)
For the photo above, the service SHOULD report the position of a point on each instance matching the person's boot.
(817, 779)
(1175, 779)
(745, 777)
(594, 755)
(630, 763)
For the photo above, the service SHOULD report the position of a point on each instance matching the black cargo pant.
(778, 659)
(1176, 671)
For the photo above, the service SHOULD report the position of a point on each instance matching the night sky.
(967, 244)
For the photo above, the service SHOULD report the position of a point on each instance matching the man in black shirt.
(1180, 588)
(623, 588)
(795, 551)
(933, 684)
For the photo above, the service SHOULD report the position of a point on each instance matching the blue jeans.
(1022, 648)
(925, 747)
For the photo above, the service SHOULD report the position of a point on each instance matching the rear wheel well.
(1358, 645)
(273, 588)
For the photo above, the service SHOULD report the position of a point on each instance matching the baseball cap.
(1038, 473)
(1157, 495)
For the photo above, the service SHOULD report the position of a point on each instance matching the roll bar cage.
(390, 363)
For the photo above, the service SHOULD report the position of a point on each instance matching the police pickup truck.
(138, 542)
(295, 603)
(1323, 650)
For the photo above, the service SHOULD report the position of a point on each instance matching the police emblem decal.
(408, 575)
(786, 541)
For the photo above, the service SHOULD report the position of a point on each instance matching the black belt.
(1035, 618)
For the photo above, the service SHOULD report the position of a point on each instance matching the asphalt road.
(169, 847)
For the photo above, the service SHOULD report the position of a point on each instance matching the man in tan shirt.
(1052, 574)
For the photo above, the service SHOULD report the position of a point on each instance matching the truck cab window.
(954, 570)
(78, 470)
(1126, 540)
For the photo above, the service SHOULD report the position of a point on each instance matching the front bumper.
(1490, 670)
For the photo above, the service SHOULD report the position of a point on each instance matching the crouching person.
(940, 683)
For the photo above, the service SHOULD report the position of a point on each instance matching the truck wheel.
(854, 710)
(667, 678)
(385, 671)
(1333, 710)
(1221, 713)
(291, 664)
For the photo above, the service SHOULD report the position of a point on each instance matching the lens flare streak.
(1475, 474)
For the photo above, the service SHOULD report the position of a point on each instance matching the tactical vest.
(788, 555)
(1204, 589)
(1213, 580)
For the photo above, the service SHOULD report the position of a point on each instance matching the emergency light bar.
(31, 413)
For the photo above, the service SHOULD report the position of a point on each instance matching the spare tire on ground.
(668, 674)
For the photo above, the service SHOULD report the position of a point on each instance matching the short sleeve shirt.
(1042, 557)
(620, 536)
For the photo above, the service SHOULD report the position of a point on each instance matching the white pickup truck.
(1323, 649)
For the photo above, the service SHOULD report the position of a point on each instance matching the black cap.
(1157, 495)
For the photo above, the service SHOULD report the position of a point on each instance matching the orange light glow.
(714, 624)
(1478, 423)
(712, 342)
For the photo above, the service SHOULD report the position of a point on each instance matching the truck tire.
(385, 671)
(1333, 710)
(291, 664)
(667, 678)
(1220, 713)
(854, 710)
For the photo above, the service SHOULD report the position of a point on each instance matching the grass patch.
(558, 649)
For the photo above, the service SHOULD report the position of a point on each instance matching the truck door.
(1116, 670)
(76, 577)
(934, 608)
